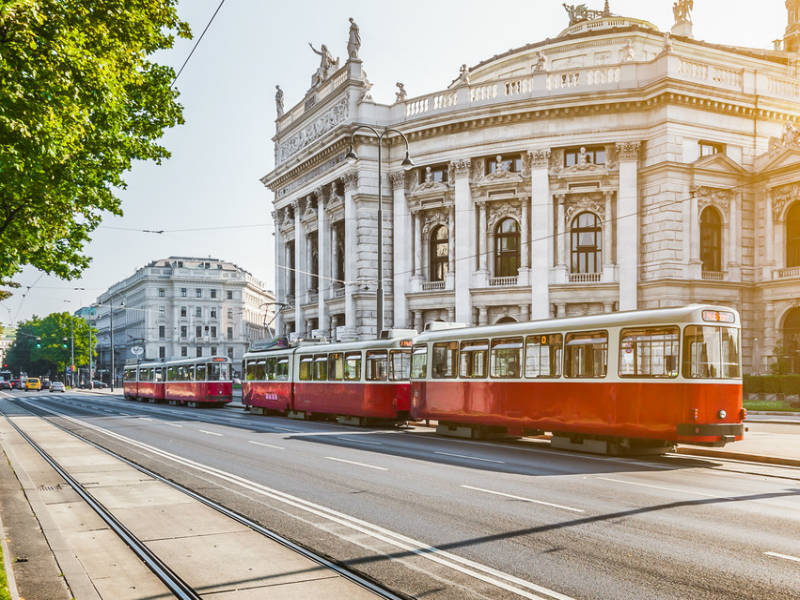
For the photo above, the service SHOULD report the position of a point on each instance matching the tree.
(79, 101)
(43, 345)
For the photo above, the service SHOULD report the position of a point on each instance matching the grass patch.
(4, 593)
(775, 405)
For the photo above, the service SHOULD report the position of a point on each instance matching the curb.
(774, 413)
(772, 460)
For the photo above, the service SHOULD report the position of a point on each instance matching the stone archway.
(790, 338)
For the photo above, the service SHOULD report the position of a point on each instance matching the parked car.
(18, 384)
(33, 383)
(5, 384)
(99, 384)
(57, 386)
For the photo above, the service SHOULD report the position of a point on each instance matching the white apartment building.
(610, 167)
(182, 307)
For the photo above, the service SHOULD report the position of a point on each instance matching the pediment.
(721, 163)
(782, 157)
(431, 188)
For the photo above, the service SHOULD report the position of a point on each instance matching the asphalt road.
(439, 518)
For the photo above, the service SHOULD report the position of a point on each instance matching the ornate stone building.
(611, 167)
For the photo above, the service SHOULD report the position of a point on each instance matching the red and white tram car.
(639, 380)
(355, 382)
(194, 381)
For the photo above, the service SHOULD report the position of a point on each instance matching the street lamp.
(407, 164)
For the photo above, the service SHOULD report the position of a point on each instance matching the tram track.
(176, 585)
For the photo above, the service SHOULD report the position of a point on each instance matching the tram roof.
(182, 361)
(692, 313)
(335, 347)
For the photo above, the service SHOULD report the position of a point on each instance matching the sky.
(227, 89)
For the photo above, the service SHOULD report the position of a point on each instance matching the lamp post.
(406, 164)
(111, 330)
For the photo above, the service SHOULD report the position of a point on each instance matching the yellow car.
(33, 383)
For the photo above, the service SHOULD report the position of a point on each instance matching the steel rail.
(352, 576)
(176, 585)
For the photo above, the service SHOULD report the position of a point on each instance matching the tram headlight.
(722, 413)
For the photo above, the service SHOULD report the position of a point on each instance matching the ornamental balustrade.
(508, 281)
(786, 273)
(429, 286)
(713, 275)
(584, 277)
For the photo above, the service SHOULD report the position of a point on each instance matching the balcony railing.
(509, 281)
(713, 275)
(429, 286)
(338, 292)
(786, 273)
(584, 277)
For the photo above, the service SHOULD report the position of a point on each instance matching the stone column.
(523, 312)
(401, 238)
(561, 231)
(350, 249)
(451, 247)
(419, 325)
(334, 260)
(482, 235)
(628, 225)
(769, 238)
(608, 251)
(300, 267)
(418, 245)
(525, 241)
(465, 219)
(483, 315)
(280, 272)
(734, 247)
(542, 230)
(323, 259)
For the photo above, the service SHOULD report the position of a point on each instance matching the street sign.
(137, 350)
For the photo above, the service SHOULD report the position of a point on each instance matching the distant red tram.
(638, 380)
(196, 381)
(355, 382)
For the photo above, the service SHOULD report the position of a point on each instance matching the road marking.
(284, 428)
(471, 457)
(210, 432)
(481, 572)
(469, 487)
(173, 424)
(265, 445)
(786, 556)
(145, 419)
(354, 441)
(360, 464)
(661, 487)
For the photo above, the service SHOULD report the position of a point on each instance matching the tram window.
(190, 373)
(320, 367)
(306, 366)
(159, 375)
(201, 372)
(543, 355)
(335, 366)
(219, 371)
(271, 372)
(710, 352)
(250, 370)
(586, 354)
(506, 357)
(377, 365)
(650, 352)
(401, 364)
(170, 373)
(352, 366)
(282, 368)
(474, 356)
(261, 370)
(419, 362)
(445, 360)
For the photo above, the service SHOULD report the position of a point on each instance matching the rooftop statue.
(463, 75)
(401, 94)
(682, 10)
(541, 62)
(327, 64)
(579, 12)
(354, 43)
(279, 100)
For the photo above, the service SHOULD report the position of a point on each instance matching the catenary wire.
(197, 43)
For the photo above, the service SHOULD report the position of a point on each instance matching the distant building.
(182, 307)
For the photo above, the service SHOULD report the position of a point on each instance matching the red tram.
(639, 380)
(195, 381)
(355, 382)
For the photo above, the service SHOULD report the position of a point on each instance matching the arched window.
(793, 236)
(711, 239)
(506, 319)
(439, 253)
(506, 258)
(791, 339)
(585, 235)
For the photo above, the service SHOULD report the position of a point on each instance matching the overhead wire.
(196, 44)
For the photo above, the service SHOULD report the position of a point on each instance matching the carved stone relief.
(708, 196)
(327, 121)
(576, 204)
(432, 219)
(628, 150)
(782, 197)
(501, 210)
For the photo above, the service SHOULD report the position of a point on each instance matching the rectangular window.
(586, 354)
(271, 367)
(198, 292)
(228, 294)
(201, 372)
(250, 370)
(595, 155)
(352, 366)
(162, 310)
(213, 293)
(320, 367)
(230, 313)
(198, 331)
(213, 350)
(649, 352)
(171, 374)
(282, 368)
(183, 331)
(377, 365)
(198, 352)
(213, 313)
(401, 364)
(162, 331)
(230, 333)
(184, 351)
(506, 357)
(230, 352)
(474, 359)
(419, 362)
(162, 352)
(219, 371)
(183, 292)
(261, 370)
(198, 312)
(306, 367)
(161, 292)
(543, 355)
(710, 352)
(709, 148)
(213, 331)
(445, 360)
(335, 366)
(183, 311)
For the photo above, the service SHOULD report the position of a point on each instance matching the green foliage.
(79, 101)
(43, 345)
(771, 384)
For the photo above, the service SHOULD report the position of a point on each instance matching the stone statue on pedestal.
(400, 95)
(279, 100)
(327, 64)
(541, 62)
(354, 42)
(463, 75)
(682, 11)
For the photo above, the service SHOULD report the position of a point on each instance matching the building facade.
(182, 307)
(611, 167)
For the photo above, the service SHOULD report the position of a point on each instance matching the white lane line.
(210, 432)
(661, 487)
(265, 445)
(284, 428)
(354, 441)
(359, 464)
(785, 556)
(173, 424)
(471, 457)
(469, 487)
(479, 571)
(145, 419)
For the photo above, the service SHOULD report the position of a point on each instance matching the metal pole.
(90, 357)
(379, 311)
(111, 316)
(71, 351)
